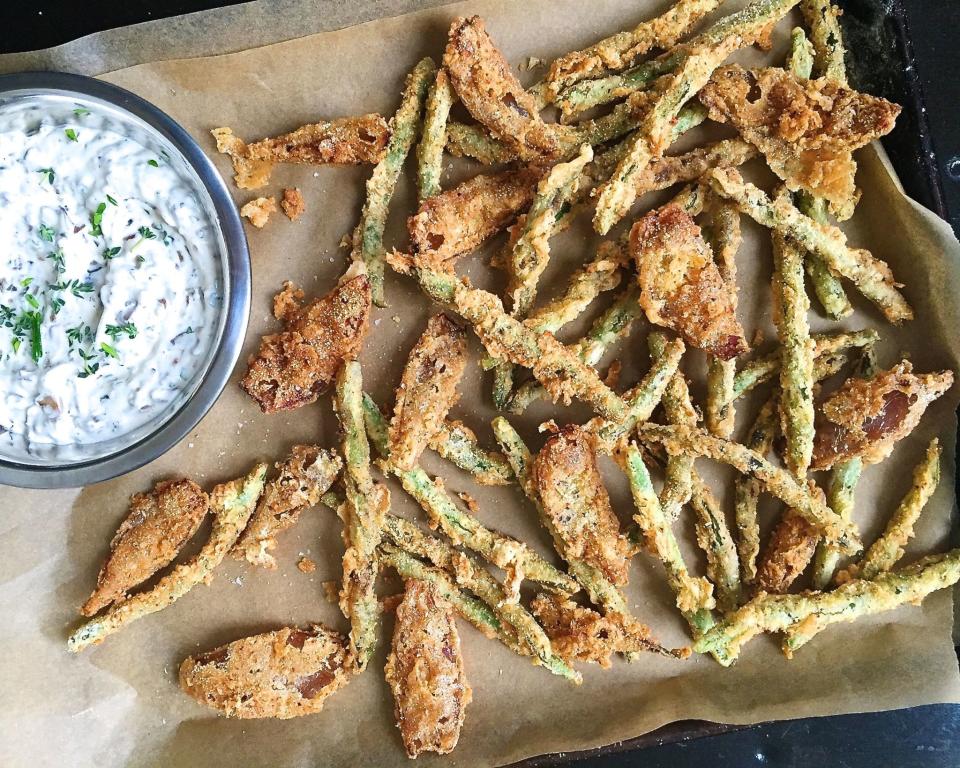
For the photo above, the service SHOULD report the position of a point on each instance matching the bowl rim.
(237, 289)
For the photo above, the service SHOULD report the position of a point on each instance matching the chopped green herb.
(96, 219)
(74, 286)
(107, 349)
(75, 335)
(15, 343)
(146, 233)
(6, 316)
(57, 257)
(189, 329)
(26, 281)
(141, 259)
(71, 134)
(165, 237)
(81, 112)
(111, 200)
(164, 156)
(48, 172)
(56, 304)
(109, 253)
(32, 301)
(114, 331)
(154, 163)
(89, 368)
(46, 233)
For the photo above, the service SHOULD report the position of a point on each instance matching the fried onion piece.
(577, 504)
(788, 553)
(286, 673)
(680, 284)
(865, 417)
(806, 129)
(492, 94)
(293, 367)
(425, 671)
(153, 533)
(457, 221)
(347, 141)
(303, 479)
(581, 634)
(428, 389)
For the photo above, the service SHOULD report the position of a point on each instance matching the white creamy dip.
(110, 280)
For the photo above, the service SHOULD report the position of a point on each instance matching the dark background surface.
(905, 50)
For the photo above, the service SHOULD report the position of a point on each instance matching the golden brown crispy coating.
(428, 389)
(577, 504)
(303, 479)
(807, 129)
(294, 366)
(282, 674)
(581, 634)
(155, 530)
(457, 221)
(258, 211)
(292, 203)
(680, 284)
(347, 141)
(492, 94)
(791, 546)
(425, 671)
(865, 417)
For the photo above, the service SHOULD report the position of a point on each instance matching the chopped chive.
(15, 343)
(154, 163)
(107, 349)
(71, 134)
(26, 281)
(32, 301)
(81, 112)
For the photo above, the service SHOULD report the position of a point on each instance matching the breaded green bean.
(367, 505)
(840, 490)
(694, 595)
(802, 616)
(678, 474)
(623, 48)
(458, 444)
(430, 150)
(474, 141)
(232, 504)
(800, 57)
(791, 306)
(725, 237)
(888, 549)
(872, 276)
(404, 127)
(500, 550)
(746, 25)
(778, 482)
(761, 369)
(600, 589)
(614, 323)
(713, 536)
(827, 39)
(747, 491)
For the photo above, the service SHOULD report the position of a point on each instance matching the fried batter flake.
(292, 203)
(492, 94)
(581, 634)
(577, 504)
(428, 389)
(347, 141)
(457, 221)
(293, 367)
(866, 417)
(303, 479)
(281, 674)
(155, 530)
(806, 129)
(680, 284)
(788, 553)
(425, 671)
(258, 211)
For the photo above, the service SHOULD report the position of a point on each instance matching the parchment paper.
(119, 703)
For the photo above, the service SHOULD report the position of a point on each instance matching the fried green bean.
(827, 39)
(803, 615)
(678, 477)
(761, 369)
(888, 549)
(747, 491)
(367, 505)
(232, 503)
(870, 275)
(458, 444)
(694, 595)
(800, 57)
(840, 490)
(622, 49)
(713, 536)
(777, 482)
(791, 306)
(404, 127)
(614, 323)
(500, 550)
(746, 25)
(600, 589)
(474, 141)
(440, 99)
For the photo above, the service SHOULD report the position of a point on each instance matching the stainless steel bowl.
(91, 463)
